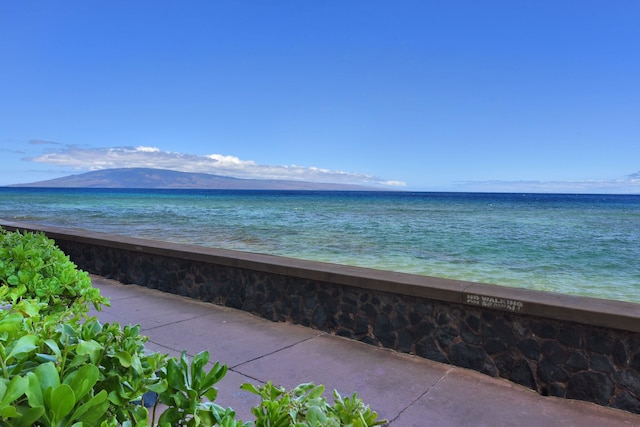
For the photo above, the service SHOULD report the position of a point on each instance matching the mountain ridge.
(168, 179)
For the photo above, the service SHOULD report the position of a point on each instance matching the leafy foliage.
(58, 371)
(60, 367)
(305, 406)
(32, 266)
(190, 393)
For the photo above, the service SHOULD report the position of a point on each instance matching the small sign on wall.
(494, 302)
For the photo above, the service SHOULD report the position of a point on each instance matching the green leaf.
(25, 344)
(316, 416)
(211, 394)
(47, 376)
(44, 358)
(53, 346)
(34, 391)
(159, 386)
(78, 360)
(8, 412)
(136, 365)
(28, 308)
(93, 327)
(11, 323)
(114, 397)
(316, 392)
(214, 376)
(250, 388)
(91, 348)
(62, 401)
(69, 332)
(3, 387)
(82, 380)
(30, 416)
(175, 375)
(197, 368)
(93, 410)
(169, 417)
(16, 388)
(124, 358)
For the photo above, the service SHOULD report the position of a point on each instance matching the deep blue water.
(578, 244)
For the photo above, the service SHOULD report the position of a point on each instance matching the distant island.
(163, 178)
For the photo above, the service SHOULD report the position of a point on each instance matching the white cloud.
(394, 183)
(147, 149)
(86, 159)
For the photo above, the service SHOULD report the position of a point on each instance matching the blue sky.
(415, 95)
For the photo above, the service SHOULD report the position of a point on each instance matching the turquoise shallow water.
(577, 244)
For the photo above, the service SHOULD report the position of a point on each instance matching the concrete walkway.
(406, 390)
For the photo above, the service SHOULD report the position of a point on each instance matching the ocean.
(585, 245)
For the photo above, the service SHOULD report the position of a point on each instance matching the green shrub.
(304, 405)
(46, 338)
(190, 392)
(43, 357)
(32, 266)
(60, 367)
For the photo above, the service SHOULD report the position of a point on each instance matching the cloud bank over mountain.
(171, 179)
(92, 159)
(71, 159)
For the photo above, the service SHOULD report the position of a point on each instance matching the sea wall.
(559, 345)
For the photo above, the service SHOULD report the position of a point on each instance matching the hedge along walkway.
(405, 389)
